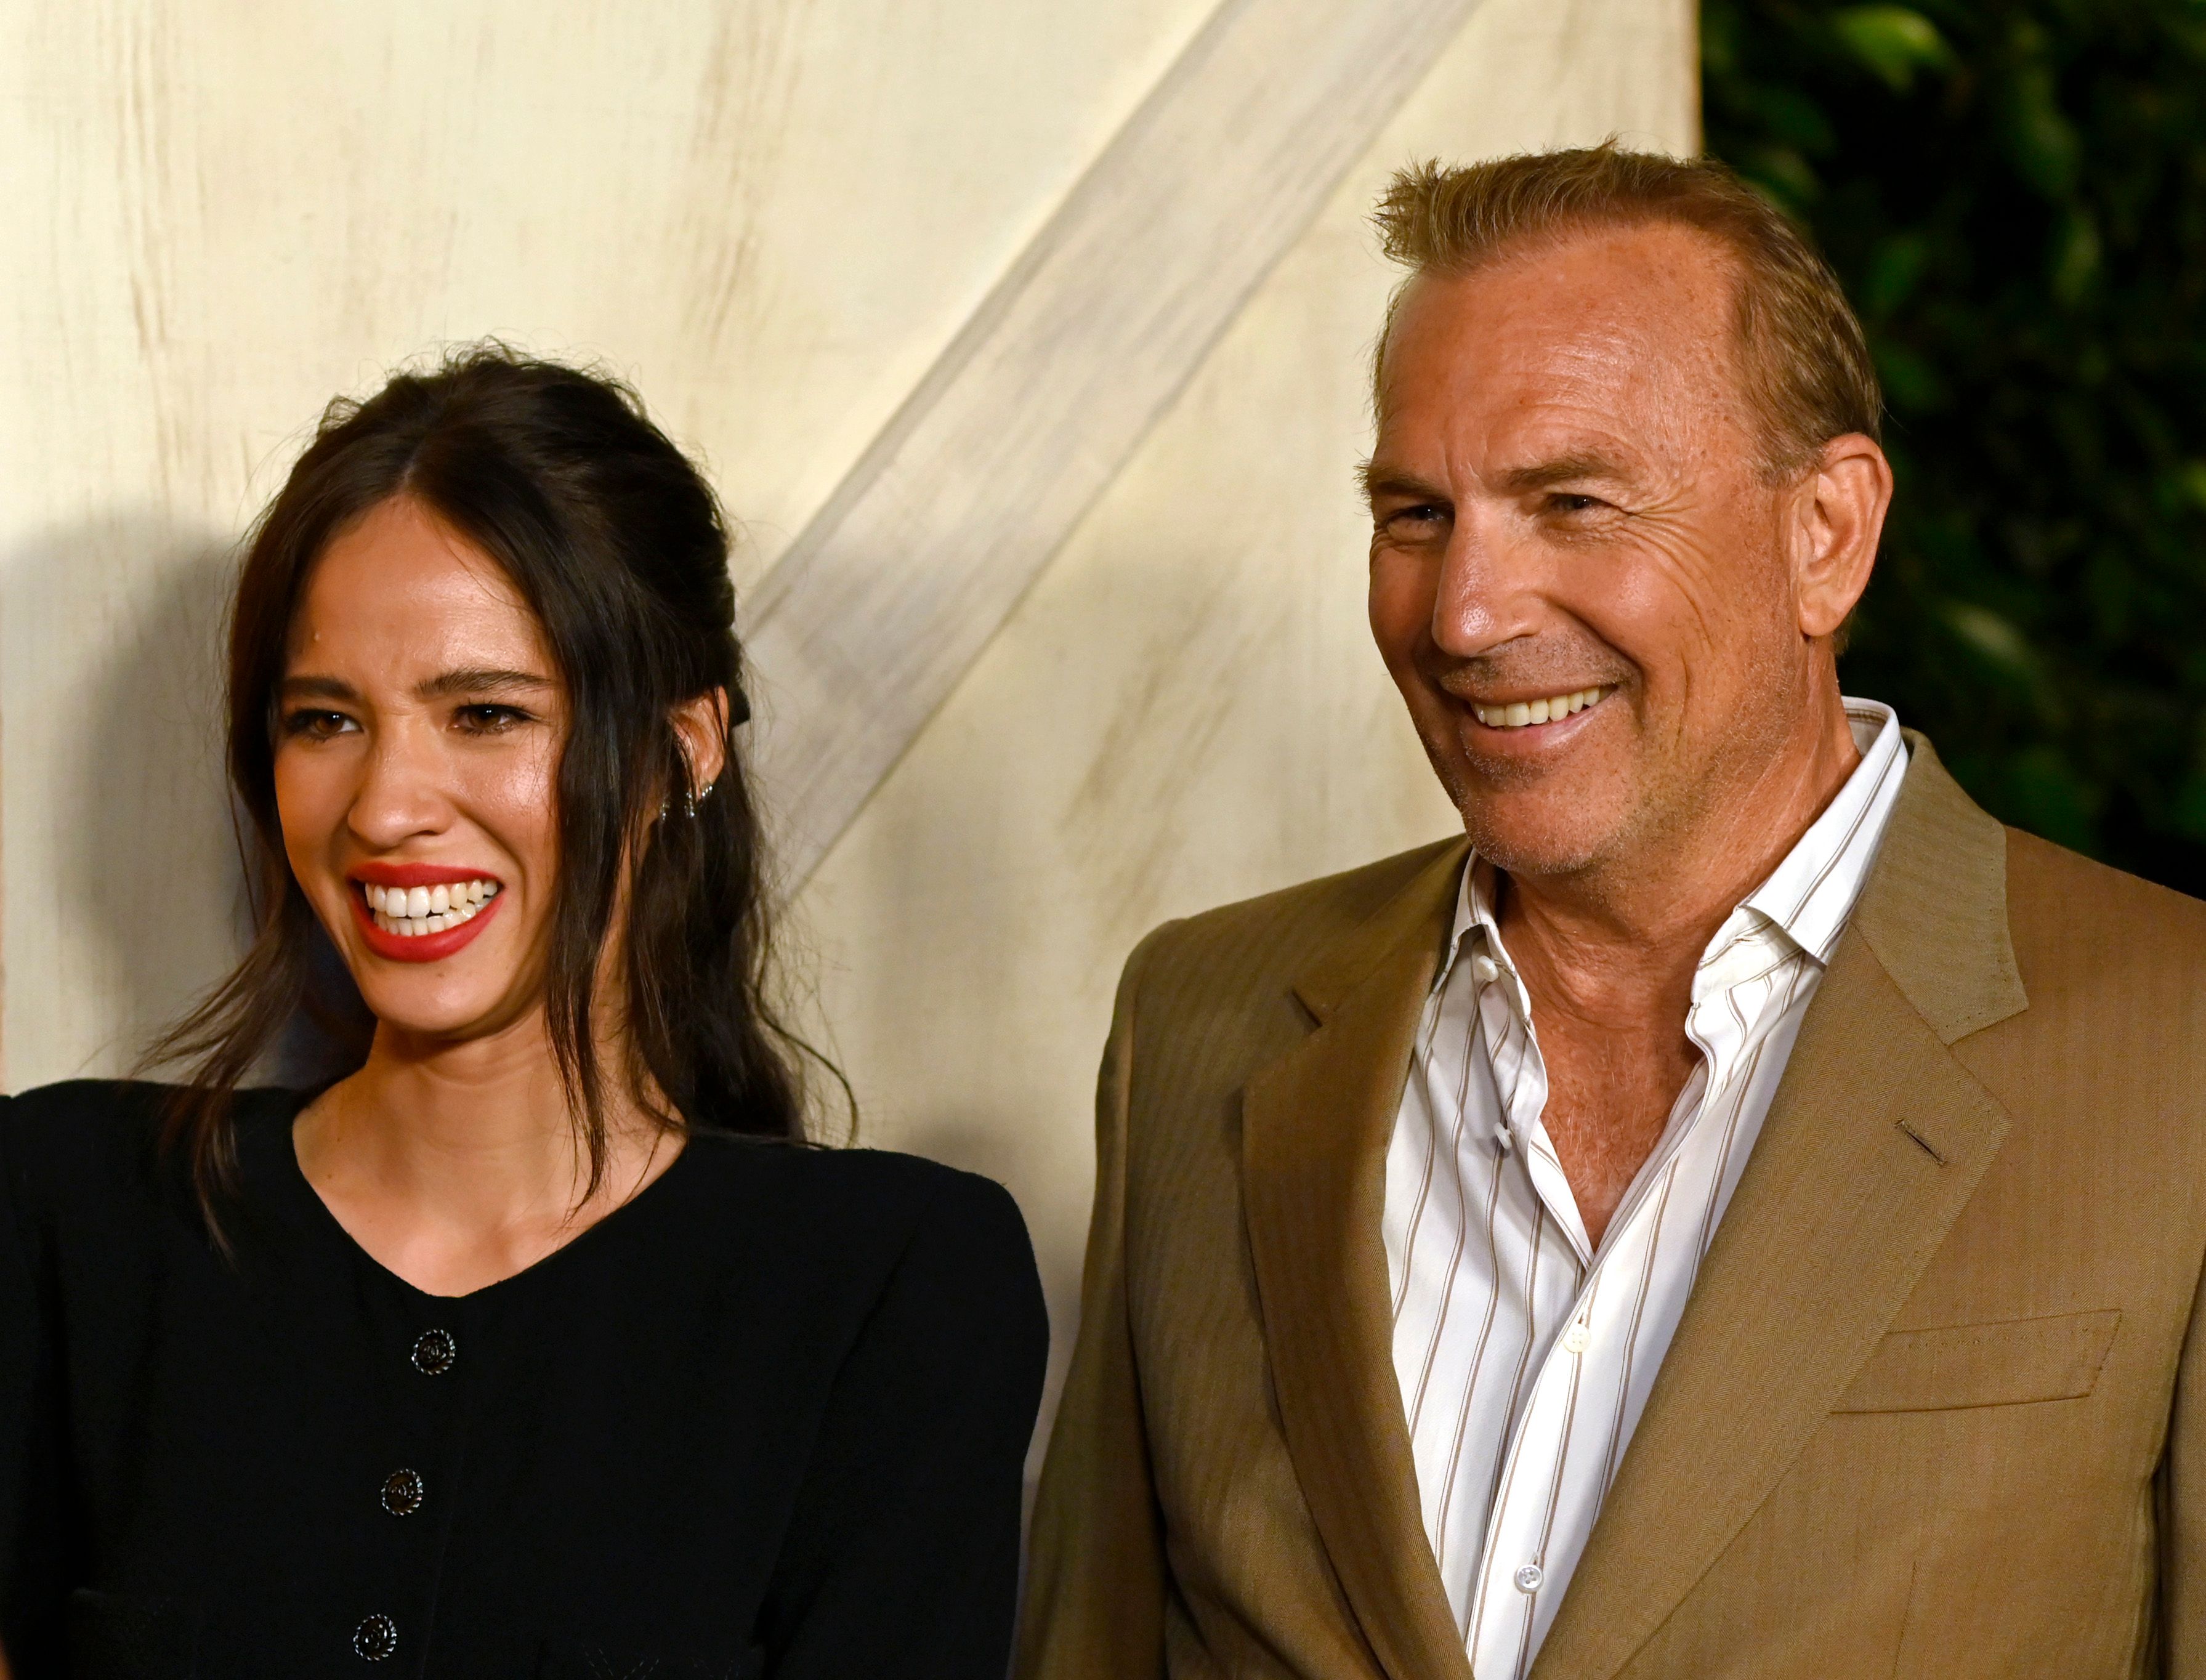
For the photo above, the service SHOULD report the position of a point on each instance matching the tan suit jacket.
(1937, 1406)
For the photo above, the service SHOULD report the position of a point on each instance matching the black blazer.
(767, 1419)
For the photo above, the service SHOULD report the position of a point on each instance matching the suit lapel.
(1317, 1125)
(1876, 1138)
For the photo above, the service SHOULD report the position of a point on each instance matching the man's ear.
(1838, 517)
(701, 726)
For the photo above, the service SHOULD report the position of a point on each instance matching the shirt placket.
(1514, 1052)
(1521, 1576)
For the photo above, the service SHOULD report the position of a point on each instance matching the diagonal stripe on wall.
(888, 596)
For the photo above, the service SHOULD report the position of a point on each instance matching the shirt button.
(435, 1352)
(376, 1639)
(1484, 969)
(1576, 1338)
(403, 1491)
(1529, 1577)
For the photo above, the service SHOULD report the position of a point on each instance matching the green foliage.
(2014, 192)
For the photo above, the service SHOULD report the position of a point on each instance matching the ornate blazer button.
(403, 1491)
(435, 1352)
(376, 1638)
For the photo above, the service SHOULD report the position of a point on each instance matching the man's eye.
(316, 725)
(1422, 513)
(487, 719)
(1565, 502)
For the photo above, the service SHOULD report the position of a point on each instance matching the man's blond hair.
(1803, 360)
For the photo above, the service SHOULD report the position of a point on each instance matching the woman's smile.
(421, 912)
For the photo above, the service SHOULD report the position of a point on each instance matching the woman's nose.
(401, 792)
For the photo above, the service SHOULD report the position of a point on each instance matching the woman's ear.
(701, 726)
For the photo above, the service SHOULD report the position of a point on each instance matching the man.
(1737, 1211)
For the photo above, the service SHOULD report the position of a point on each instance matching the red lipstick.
(415, 874)
(416, 947)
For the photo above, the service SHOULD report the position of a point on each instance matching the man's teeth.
(415, 910)
(1518, 714)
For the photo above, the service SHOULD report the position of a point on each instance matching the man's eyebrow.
(1563, 469)
(1378, 480)
(478, 680)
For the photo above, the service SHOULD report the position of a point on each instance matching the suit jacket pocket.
(2007, 1364)
(114, 1637)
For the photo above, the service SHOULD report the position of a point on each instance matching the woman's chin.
(432, 1015)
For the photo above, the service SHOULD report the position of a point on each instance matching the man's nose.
(401, 792)
(1488, 591)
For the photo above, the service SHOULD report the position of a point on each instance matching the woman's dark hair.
(620, 550)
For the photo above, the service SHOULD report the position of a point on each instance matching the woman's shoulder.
(98, 1137)
(81, 1125)
(876, 1199)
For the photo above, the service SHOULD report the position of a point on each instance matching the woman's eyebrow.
(474, 680)
(316, 687)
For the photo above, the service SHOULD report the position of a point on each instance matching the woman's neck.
(456, 1166)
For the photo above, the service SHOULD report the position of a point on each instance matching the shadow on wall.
(127, 898)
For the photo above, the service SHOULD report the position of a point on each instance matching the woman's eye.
(315, 725)
(487, 719)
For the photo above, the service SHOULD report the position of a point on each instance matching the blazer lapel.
(1317, 1125)
(1876, 1138)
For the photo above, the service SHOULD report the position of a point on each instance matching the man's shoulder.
(1276, 933)
(2113, 966)
(2062, 897)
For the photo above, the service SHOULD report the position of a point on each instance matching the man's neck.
(1619, 942)
(1609, 959)
(1655, 910)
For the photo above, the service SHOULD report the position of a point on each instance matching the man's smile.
(1549, 709)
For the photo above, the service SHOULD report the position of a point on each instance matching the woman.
(538, 1343)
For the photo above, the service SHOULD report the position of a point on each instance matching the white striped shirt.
(1525, 1356)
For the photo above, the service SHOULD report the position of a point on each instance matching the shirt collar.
(1809, 895)
(1812, 892)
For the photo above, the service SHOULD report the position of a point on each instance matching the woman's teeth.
(411, 911)
(1518, 714)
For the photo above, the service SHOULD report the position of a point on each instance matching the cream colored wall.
(771, 214)
(1187, 709)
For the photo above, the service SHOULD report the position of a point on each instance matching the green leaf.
(1893, 43)
(2041, 140)
(2044, 794)
(2189, 808)
(1895, 264)
(1996, 639)
(1782, 173)
(1910, 380)
(2076, 254)
(1795, 119)
(2192, 474)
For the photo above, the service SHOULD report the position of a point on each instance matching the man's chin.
(1537, 838)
